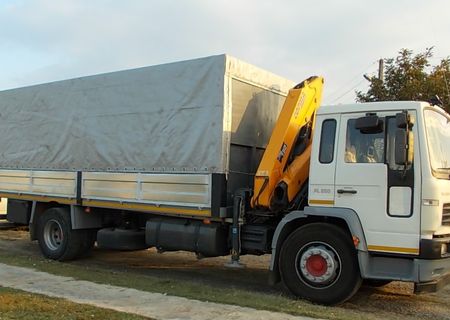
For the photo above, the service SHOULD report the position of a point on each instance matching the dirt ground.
(397, 298)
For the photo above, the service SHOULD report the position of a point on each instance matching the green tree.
(410, 76)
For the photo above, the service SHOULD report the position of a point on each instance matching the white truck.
(215, 156)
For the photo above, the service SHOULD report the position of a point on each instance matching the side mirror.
(404, 147)
(403, 120)
(404, 139)
(371, 123)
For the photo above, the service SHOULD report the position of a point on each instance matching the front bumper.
(433, 265)
(432, 274)
(429, 271)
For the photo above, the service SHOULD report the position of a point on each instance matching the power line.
(346, 92)
(366, 77)
(350, 82)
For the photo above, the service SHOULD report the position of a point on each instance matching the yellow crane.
(284, 167)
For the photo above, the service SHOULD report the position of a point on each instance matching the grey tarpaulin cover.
(172, 117)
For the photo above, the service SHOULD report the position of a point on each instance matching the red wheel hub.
(316, 265)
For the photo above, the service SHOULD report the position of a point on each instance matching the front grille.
(446, 214)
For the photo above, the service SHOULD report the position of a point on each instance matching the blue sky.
(46, 40)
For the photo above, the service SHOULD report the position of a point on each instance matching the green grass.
(188, 289)
(15, 304)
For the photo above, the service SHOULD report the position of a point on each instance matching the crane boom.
(284, 167)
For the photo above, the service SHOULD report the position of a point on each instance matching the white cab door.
(369, 182)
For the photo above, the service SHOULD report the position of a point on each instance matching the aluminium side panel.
(172, 189)
(60, 184)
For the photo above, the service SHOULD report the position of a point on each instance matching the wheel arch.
(346, 219)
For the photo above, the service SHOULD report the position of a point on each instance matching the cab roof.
(372, 107)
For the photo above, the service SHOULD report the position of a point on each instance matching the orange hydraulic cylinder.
(297, 173)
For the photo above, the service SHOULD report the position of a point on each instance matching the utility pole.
(381, 70)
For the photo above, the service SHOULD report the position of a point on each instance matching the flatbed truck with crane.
(217, 157)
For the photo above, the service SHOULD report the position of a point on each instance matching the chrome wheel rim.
(53, 235)
(318, 265)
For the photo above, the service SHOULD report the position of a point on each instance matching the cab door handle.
(341, 191)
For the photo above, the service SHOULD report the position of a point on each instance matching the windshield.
(438, 135)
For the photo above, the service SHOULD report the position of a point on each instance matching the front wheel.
(318, 262)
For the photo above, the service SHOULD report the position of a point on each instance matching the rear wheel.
(56, 238)
(318, 262)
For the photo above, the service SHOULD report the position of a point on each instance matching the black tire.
(89, 238)
(376, 283)
(318, 262)
(56, 238)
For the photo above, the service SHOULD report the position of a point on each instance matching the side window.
(327, 141)
(363, 147)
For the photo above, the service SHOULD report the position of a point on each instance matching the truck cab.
(394, 206)
(401, 207)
